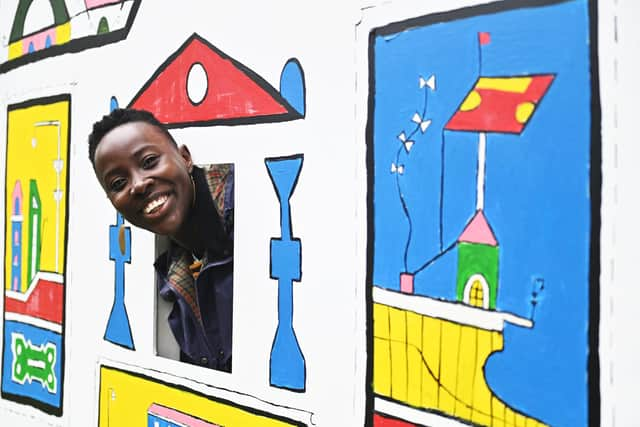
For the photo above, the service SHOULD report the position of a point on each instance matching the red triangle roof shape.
(234, 93)
(478, 230)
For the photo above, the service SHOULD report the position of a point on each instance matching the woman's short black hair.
(118, 117)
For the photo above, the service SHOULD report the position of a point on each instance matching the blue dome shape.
(292, 87)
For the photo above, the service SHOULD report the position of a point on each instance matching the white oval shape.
(197, 83)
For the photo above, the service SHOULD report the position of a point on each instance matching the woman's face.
(146, 177)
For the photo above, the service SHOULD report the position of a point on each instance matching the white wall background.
(328, 206)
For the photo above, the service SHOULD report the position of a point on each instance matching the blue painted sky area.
(537, 188)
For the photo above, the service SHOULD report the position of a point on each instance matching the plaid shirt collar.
(178, 274)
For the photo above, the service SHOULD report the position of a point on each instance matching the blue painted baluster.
(118, 328)
(287, 365)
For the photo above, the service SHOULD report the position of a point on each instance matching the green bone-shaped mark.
(33, 362)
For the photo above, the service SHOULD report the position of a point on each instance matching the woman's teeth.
(155, 204)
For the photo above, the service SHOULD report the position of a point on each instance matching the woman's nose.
(140, 184)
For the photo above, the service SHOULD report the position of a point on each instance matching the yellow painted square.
(63, 33)
(15, 49)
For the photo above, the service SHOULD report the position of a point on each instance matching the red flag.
(484, 38)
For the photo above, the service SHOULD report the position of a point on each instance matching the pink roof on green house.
(478, 231)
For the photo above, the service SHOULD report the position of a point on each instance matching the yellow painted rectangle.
(449, 366)
(399, 366)
(505, 84)
(497, 341)
(414, 376)
(381, 367)
(380, 321)
(520, 421)
(15, 50)
(63, 33)
(467, 361)
(414, 358)
(126, 397)
(398, 325)
(414, 330)
(431, 355)
(498, 413)
(481, 393)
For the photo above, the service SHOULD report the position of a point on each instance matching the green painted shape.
(60, 16)
(476, 258)
(103, 26)
(32, 362)
(35, 241)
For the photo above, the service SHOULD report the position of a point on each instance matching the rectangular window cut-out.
(194, 316)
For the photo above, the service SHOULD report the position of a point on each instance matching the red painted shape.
(484, 38)
(497, 109)
(382, 421)
(233, 91)
(45, 302)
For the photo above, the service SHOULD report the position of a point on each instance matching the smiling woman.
(154, 184)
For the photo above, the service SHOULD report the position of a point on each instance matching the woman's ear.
(186, 156)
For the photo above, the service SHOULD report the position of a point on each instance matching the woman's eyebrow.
(109, 172)
(140, 149)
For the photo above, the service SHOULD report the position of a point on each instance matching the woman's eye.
(149, 161)
(117, 184)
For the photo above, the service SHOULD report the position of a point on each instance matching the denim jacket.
(202, 316)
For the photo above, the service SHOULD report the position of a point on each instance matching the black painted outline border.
(44, 407)
(595, 183)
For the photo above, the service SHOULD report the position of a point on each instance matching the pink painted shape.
(406, 283)
(17, 195)
(39, 40)
(177, 416)
(97, 3)
(478, 231)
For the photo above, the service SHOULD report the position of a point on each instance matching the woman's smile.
(154, 205)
